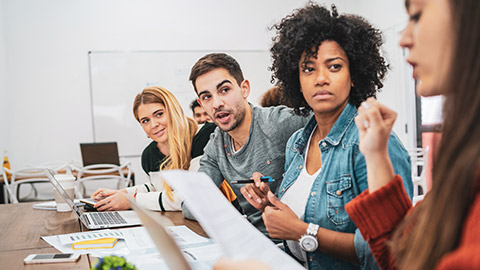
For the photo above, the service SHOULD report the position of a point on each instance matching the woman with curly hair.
(329, 64)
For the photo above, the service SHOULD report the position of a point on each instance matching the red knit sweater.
(378, 214)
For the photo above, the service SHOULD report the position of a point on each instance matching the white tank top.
(296, 198)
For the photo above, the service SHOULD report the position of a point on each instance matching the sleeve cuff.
(379, 213)
(148, 200)
(137, 188)
(170, 205)
(130, 190)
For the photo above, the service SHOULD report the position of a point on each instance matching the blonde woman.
(175, 143)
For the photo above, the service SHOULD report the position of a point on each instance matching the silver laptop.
(97, 220)
(156, 226)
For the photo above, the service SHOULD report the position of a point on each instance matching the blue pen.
(267, 179)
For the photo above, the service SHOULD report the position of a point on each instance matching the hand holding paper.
(238, 239)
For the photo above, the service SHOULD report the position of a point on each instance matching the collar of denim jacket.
(337, 132)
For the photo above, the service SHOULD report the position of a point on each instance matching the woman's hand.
(281, 222)
(225, 264)
(375, 122)
(115, 202)
(102, 193)
(256, 193)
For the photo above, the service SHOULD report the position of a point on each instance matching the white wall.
(45, 45)
(4, 113)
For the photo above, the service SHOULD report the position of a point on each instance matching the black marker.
(267, 179)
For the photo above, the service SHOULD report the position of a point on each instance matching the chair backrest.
(121, 175)
(9, 195)
(58, 166)
(30, 175)
(34, 175)
(419, 158)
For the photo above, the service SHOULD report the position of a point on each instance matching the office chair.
(100, 175)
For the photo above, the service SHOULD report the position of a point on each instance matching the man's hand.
(256, 193)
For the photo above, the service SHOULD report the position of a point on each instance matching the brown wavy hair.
(273, 97)
(435, 227)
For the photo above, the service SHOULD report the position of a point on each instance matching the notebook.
(97, 243)
(99, 153)
(96, 220)
(156, 226)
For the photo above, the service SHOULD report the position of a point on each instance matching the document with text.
(237, 238)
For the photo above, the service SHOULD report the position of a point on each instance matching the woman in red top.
(443, 231)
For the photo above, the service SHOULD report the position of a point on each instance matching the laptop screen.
(99, 153)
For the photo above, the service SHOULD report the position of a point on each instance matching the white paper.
(149, 261)
(199, 258)
(137, 238)
(120, 248)
(184, 236)
(203, 253)
(134, 240)
(238, 239)
(70, 238)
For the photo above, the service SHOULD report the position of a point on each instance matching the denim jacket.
(343, 177)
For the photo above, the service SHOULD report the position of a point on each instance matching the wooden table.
(21, 227)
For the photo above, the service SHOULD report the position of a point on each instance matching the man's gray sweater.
(263, 152)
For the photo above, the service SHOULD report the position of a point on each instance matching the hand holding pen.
(256, 193)
(265, 179)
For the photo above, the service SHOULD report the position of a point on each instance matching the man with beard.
(248, 138)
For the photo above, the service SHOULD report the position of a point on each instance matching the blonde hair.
(181, 129)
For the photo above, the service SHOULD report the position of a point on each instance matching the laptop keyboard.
(107, 218)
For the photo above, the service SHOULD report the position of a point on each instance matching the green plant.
(113, 263)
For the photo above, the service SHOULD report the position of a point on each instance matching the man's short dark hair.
(213, 61)
(193, 105)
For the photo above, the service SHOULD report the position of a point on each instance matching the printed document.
(237, 238)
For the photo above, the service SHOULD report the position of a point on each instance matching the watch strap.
(312, 229)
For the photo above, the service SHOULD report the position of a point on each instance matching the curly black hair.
(305, 29)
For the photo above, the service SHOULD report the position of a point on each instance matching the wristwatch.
(308, 241)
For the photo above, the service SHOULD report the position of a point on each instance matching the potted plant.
(113, 263)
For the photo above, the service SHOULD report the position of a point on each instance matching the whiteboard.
(117, 77)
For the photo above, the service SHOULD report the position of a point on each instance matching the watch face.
(309, 243)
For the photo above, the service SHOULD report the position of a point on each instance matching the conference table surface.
(21, 229)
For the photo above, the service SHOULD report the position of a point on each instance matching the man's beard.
(237, 118)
